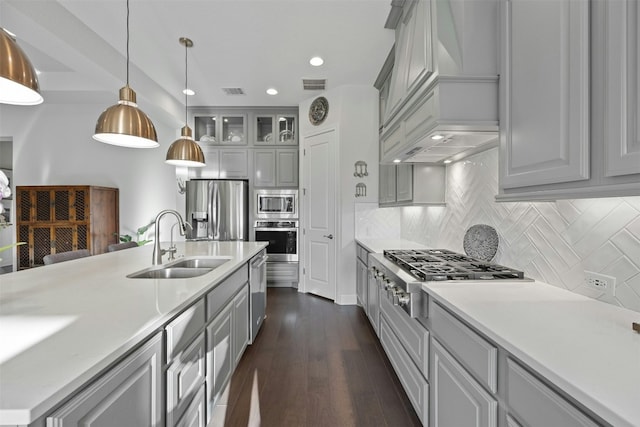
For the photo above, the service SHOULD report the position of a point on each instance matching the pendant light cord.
(127, 42)
(186, 76)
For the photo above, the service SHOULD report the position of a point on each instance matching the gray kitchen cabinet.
(362, 276)
(240, 323)
(195, 414)
(185, 378)
(223, 163)
(457, 399)
(220, 128)
(219, 355)
(573, 134)
(275, 167)
(278, 129)
(373, 301)
(545, 125)
(129, 394)
(533, 403)
(412, 184)
(412, 380)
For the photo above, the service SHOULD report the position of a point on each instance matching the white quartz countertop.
(62, 324)
(586, 347)
(379, 245)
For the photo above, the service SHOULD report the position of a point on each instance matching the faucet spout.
(157, 250)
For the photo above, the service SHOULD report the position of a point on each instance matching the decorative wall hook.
(360, 169)
(361, 189)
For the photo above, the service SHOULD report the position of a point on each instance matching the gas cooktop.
(442, 264)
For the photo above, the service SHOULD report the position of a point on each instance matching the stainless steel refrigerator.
(217, 209)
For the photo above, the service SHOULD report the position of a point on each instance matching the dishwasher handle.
(259, 262)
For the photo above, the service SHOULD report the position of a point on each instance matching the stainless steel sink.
(169, 273)
(183, 268)
(200, 262)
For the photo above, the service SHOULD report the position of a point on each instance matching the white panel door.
(320, 205)
(622, 108)
(544, 117)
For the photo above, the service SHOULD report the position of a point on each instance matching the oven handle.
(276, 229)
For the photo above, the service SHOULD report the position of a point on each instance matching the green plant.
(139, 233)
(4, 248)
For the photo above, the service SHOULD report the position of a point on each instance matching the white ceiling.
(80, 46)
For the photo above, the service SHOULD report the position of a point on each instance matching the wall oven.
(282, 236)
(277, 204)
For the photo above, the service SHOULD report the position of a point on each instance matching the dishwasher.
(258, 289)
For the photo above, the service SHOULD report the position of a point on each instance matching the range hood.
(451, 117)
(439, 84)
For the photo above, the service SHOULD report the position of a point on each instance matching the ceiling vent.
(233, 91)
(314, 84)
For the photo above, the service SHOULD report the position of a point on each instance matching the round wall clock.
(318, 110)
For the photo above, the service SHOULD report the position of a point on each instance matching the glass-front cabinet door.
(264, 128)
(234, 129)
(205, 129)
(287, 130)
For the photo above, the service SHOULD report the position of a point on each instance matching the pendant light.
(18, 79)
(124, 124)
(185, 151)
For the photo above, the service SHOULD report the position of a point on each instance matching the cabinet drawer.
(413, 337)
(534, 404)
(221, 294)
(182, 330)
(414, 383)
(185, 377)
(474, 352)
(362, 253)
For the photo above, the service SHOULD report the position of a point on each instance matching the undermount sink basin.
(183, 268)
(169, 273)
(200, 262)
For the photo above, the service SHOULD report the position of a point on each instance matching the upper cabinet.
(280, 129)
(221, 129)
(439, 99)
(569, 99)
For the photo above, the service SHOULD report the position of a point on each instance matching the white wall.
(353, 112)
(52, 145)
(550, 241)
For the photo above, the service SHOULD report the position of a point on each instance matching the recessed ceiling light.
(316, 61)
(437, 137)
(446, 162)
(188, 92)
(396, 160)
(272, 91)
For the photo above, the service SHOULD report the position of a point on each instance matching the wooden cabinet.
(412, 184)
(129, 394)
(575, 132)
(456, 398)
(275, 167)
(54, 219)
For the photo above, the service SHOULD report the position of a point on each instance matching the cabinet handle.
(330, 236)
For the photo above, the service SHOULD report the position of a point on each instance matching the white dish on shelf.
(207, 138)
(268, 137)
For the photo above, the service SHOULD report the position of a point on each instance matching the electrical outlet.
(600, 282)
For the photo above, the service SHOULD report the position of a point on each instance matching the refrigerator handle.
(212, 219)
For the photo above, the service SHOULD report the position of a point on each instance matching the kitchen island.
(64, 325)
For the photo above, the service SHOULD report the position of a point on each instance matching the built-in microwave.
(276, 204)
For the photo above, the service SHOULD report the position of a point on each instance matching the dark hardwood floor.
(315, 363)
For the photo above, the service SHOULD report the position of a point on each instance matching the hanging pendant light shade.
(185, 151)
(124, 124)
(18, 79)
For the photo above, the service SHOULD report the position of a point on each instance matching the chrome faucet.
(157, 250)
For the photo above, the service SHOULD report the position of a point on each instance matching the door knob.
(330, 236)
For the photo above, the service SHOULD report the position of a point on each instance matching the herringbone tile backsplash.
(554, 242)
